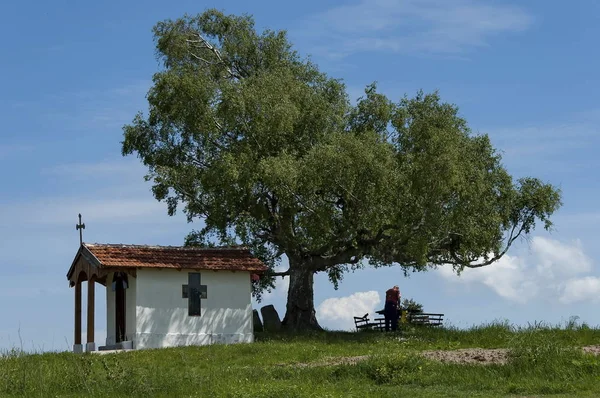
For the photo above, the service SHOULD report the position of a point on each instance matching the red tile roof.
(137, 256)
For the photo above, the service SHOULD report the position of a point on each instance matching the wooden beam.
(77, 312)
(90, 308)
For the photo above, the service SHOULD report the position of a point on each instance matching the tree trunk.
(300, 310)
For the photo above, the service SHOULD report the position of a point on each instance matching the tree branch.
(353, 254)
(202, 59)
(468, 262)
(219, 125)
(509, 242)
(284, 273)
(364, 243)
(206, 44)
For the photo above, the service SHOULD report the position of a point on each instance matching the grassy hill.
(537, 360)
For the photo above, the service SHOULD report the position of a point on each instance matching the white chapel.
(165, 296)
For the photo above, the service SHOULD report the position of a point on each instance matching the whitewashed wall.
(130, 310)
(162, 314)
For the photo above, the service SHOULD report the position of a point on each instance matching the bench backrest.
(425, 318)
(361, 321)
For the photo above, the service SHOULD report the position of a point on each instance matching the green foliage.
(411, 305)
(266, 149)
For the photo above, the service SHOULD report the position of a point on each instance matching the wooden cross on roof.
(80, 227)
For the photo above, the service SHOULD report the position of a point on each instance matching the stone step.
(111, 351)
(123, 345)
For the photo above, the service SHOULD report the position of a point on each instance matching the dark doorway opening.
(120, 284)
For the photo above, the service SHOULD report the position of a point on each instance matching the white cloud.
(544, 272)
(508, 278)
(282, 285)
(558, 259)
(336, 313)
(582, 289)
(415, 26)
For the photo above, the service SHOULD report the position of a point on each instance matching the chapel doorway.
(120, 285)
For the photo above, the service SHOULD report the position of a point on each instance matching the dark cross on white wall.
(194, 292)
(80, 227)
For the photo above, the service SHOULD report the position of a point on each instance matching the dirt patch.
(592, 349)
(483, 356)
(479, 356)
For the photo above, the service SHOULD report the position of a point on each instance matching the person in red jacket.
(390, 311)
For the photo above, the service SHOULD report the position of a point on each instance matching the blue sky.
(526, 73)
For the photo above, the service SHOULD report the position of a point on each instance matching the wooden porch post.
(78, 312)
(90, 308)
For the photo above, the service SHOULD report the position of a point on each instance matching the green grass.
(543, 360)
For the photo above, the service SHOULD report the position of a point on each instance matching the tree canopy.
(269, 152)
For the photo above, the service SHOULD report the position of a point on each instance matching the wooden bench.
(425, 318)
(379, 323)
(362, 323)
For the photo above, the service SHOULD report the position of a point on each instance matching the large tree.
(269, 152)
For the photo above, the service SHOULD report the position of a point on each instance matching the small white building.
(165, 296)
